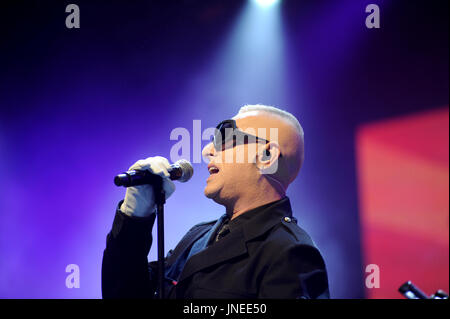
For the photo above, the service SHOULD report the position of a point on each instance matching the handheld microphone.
(181, 171)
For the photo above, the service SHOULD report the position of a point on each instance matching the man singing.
(255, 250)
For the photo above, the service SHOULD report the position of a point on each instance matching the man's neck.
(243, 205)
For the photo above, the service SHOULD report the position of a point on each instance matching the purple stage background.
(79, 106)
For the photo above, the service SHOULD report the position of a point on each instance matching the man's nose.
(208, 151)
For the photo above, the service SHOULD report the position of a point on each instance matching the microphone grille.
(186, 168)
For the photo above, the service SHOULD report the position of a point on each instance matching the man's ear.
(265, 155)
(267, 159)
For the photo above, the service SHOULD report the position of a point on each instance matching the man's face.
(232, 170)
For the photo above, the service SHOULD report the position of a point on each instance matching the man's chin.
(211, 194)
(208, 193)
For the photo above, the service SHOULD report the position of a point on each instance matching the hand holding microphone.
(140, 198)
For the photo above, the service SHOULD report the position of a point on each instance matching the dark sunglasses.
(227, 131)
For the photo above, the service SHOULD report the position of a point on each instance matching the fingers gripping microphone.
(181, 171)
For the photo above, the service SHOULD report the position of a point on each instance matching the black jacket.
(269, 257)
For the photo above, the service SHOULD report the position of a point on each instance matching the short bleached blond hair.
(274, 110)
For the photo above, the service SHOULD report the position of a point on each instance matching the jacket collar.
(234, 244)
(267, 218)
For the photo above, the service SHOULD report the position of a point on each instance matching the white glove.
(140, 200)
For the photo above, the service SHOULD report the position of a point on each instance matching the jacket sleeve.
(298, 272)
(125, 268)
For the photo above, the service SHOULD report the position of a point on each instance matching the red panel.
(404, 201)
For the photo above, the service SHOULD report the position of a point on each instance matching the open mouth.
(212, 169)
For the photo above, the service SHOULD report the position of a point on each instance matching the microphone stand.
(140, 178)
(160, 200)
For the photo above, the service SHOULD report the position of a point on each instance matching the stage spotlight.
(266, 3)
